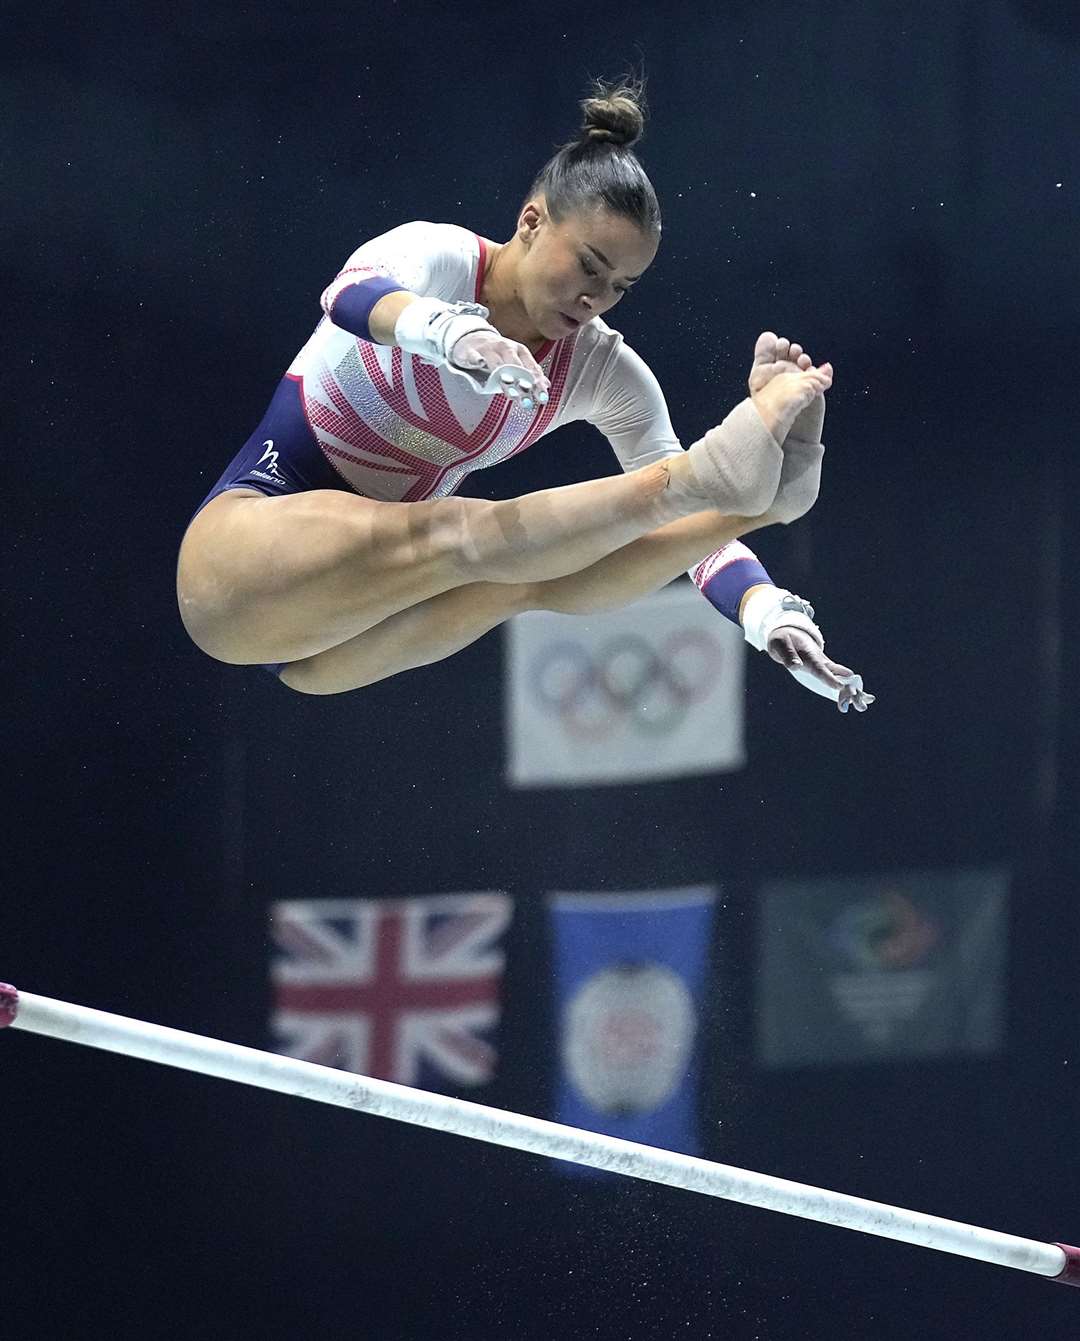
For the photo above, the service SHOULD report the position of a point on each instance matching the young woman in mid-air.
(332, 548)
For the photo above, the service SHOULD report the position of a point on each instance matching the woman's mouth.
(570, 321)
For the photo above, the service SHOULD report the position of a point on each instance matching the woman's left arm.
(631, 412)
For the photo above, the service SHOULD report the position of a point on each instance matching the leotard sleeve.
(630, 410)
(434, 260)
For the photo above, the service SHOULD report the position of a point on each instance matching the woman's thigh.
(280, 578)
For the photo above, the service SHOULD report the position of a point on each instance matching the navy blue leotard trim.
(281, 456)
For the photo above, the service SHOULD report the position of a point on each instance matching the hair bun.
(614, 114)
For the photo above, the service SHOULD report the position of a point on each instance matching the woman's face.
(580, 267)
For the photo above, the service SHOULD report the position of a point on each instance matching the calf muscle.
(439, 627)
(284, 579)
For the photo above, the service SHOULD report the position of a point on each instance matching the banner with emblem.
(402, 989)
(882, 968)
(649, 691)
(630, 973)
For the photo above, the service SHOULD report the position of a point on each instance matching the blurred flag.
(882, 968)
(402, 989)
(652, 690)
(630, 976)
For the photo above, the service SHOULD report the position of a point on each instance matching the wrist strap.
(430, 327)
(773, 608)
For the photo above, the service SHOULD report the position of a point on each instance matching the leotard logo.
(271, 472)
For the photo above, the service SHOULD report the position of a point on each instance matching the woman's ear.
(530, 220)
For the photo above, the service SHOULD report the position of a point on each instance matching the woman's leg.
(279, 579)
(444, 624)
(283, 579)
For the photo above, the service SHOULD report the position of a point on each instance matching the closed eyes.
(592, 272)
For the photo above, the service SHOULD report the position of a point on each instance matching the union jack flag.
(402, 989)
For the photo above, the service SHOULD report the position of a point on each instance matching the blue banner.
(630, 973)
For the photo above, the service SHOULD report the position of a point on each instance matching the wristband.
(351, 306)
(726, 575)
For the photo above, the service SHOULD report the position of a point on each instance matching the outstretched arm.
(633, 415)
(776, 621)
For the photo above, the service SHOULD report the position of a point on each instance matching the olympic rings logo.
(627, 681)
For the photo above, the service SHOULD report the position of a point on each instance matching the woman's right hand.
(501, 367)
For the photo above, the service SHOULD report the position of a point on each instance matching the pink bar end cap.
(1070, 1273)
(9, 1003)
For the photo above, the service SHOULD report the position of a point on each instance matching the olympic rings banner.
(650, 691)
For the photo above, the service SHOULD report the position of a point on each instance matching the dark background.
(896, 186)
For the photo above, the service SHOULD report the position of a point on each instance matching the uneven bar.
(382, 1098)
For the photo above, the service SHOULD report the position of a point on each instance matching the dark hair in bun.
(615, 114)
(599, 168)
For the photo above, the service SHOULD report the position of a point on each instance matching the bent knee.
(294, 675)
(219, 631)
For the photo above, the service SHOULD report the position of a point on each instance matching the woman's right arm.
(385, 313)
(399, 288)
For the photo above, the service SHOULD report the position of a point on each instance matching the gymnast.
(332, 549)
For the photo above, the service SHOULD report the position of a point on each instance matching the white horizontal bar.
(287, 1075)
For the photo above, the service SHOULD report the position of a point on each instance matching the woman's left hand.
(795, 649)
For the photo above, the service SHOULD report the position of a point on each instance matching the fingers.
(520, 377)
(852, 695)
(521, 388)
(517, 383)
(849, 686)
(511, 369)
(794, 649)
(821, 667)
(848, 694)
(533, 381)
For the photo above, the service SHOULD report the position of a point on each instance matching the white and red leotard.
(383, 423)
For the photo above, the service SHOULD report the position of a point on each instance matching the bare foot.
(783, 381)
(773, 355)
(724, 470)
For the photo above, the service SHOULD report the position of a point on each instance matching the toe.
(765, 349)
(782, 346)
